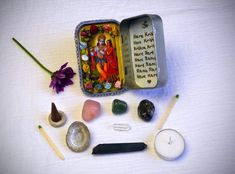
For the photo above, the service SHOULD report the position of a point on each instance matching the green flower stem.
(32, 56)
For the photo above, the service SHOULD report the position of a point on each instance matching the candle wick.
(170, 141)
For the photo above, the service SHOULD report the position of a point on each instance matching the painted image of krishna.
(100, 59)
(104, 59)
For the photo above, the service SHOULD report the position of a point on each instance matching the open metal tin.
(114, 57)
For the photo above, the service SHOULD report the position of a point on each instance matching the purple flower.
(62, 78)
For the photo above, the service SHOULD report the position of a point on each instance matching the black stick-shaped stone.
(118, 148)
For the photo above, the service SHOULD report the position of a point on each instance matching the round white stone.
(85, 57)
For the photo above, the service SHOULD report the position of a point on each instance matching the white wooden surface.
(200, 41)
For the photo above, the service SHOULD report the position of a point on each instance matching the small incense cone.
(56, 118)
(55, 115)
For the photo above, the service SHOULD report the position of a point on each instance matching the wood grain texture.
(199, 38)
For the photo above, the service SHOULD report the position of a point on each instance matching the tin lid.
(143, 52)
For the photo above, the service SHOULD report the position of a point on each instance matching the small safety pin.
(121, 127)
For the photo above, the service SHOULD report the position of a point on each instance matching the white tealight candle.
(169, 144)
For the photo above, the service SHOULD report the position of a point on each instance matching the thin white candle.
(166, 114)
(50, 142)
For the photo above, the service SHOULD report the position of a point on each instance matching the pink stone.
(91, 109)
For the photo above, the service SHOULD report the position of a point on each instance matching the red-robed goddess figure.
(112, 64)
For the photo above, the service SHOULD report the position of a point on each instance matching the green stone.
(83, 51)
(119, 106)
